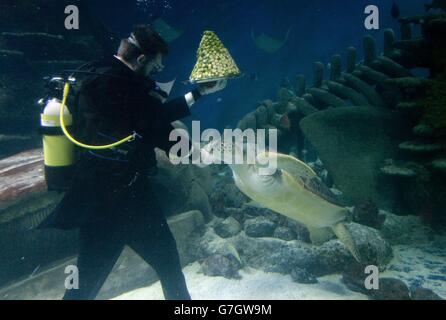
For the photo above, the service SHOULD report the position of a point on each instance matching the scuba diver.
(109, 197)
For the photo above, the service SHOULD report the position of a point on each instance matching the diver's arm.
(192, 97)
(204, 89)
(176, 109)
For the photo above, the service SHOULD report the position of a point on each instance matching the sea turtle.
(294, 190)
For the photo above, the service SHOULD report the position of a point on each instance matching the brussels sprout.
(213, 59)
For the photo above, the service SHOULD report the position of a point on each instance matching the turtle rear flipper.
(319, 236)
(346, 238)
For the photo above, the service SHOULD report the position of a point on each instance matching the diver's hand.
(212, 87)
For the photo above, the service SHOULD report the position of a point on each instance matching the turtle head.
(238, 156)
(229, 152)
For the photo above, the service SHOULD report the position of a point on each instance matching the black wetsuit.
(110, 199)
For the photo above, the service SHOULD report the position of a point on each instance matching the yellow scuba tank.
(59, 146)
(59, 151)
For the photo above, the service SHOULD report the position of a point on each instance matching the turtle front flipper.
(346, 238)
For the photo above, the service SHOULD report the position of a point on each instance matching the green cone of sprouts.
(213, 60)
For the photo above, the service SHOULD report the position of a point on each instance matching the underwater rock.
(274, 255)
(391, 289)
(405, 230)
(227, 228)
(352, 143)
(300, 231)
(182, 188)
(211, 244)
(284, 233)
(373, 249)
(301, 276)
(353, 277)
(221, 266)
(332, 257)
(422, 294)
(367, 213)
(186, 228)
(253, 210)
(259, 227)
(224, 195)
(235, 213)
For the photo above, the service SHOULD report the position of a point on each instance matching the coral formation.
(435, 106)
(385, 82)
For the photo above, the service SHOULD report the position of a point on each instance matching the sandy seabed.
(254, 285)
(416, 265)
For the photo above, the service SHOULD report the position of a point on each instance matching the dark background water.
(320, 29)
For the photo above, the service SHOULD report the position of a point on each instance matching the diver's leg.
(99, 251)
(155, 243)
